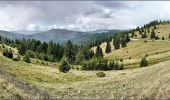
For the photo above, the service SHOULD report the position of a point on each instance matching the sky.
(80, 15)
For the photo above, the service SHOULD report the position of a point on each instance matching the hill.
(156, 50)
(62, 36)
(142, 83)
(11, 35)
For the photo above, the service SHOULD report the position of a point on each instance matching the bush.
(64, 67)
(143, 62)
(100, 64)
(27, 58)
(8, 53)
(100, 74)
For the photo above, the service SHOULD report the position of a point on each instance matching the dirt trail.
(32, 91)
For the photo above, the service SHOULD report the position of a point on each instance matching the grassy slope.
(139, 83)
(148, 82)
(158, 50)
(9, 91)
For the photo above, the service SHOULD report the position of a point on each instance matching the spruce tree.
(108, 47)
(143, 62)
(127, 38)
(144, 35)
(64, 67)
(22, 48)
(116, 43)
(27, 57)
(153, 35)
(70, 53)
(99, 52)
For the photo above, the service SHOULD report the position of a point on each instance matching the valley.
(41, 79)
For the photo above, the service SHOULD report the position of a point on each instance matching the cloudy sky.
(80, 15)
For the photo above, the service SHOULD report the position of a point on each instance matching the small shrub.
(64, 67)
(130, 58)
(8, 53)
(121, 60)
(100, 74)
(145, 41)
(163, 38)
(143, 62)
(146, 55)
(156, 52)
(121, 67)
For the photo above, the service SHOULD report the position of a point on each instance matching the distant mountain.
(56, 35)
(11, 35)
(26, 32)
(62, 36)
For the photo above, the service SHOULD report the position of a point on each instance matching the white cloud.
(80, 15)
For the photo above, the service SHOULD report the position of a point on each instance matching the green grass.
(9, 91)
(139, 83)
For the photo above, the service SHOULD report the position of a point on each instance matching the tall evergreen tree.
(99, 52)
(116, 43)
(153, 35)
(108, 47)
(127, 38)
(22, 48)
(70, 52)
(144, 35)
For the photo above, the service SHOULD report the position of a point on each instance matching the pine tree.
(70, 52)
(143, 62)
(123, 43)
(127, 38)
(144, 35)
(133, 34)
(64, 67)
(99, 52)
(116, 43)
(27, 57)
(108, 47)
(163, 38)
(22, 49)
(153, 35)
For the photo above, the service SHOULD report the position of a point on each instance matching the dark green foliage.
(64, 67)
(22, 48)
(108, 47)
(143, 62)
(153, 34)
(127, 38)
(163, 38)
(99, 52)
(144, 35)
(8, 53)
(140, 32)
(116, 42)
(132, 34)
(121, 39)
(123, 43)
(100, 74)
(100, 64)
(70, 52)
(154, 27)
(84, 53)
(27, 58)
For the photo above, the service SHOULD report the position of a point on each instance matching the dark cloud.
(79, 15)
